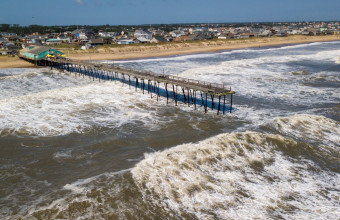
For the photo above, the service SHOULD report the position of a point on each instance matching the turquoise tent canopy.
(40, 52)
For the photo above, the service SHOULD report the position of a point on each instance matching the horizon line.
(184, 23)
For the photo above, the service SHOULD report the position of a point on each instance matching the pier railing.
(212, 88)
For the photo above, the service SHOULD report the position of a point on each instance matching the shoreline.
(173, 49)
(166, 50)
(7, 62)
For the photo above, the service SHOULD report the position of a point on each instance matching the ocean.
(74, 148)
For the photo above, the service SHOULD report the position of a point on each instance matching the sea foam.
(237, 176)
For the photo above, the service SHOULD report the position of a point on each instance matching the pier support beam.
(143, 85)
(231, 102)
(185, 99)
(136, 83)
(223, 104)
(176, 96)
(206, 103)
(167, 95)
(188, 97)
(157, 91)
(219, 105)
(148, 86)
(194, 92)
(212, 102)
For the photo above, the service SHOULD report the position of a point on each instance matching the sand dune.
(155, 50)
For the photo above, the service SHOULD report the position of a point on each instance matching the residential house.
(293, 32)
(309, 33)
(200, 29)
(9, 35)
(108, 40)
(11, 46)
(107, 34)
(3, 41)
(125, 41)
(80, 36)
(266, 33)
(246, 35)
(144, 34)
(54, 41)
(182, 38)
(158, 39)
(30, 39)
(195, 37)
(96, 42)
(225, 36)
(281, 34)
(177, 33)
(158, 32)
(143, 40)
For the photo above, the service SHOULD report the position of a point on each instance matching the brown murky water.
(72, 148)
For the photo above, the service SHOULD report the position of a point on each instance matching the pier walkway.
(147, 81)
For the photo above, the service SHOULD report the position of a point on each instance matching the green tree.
(4, 27)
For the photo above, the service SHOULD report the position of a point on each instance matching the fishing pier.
(210, 95)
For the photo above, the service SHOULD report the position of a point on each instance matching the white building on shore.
(143, 34)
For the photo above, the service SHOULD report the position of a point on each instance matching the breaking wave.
(313, 128)
(78, 109)
(243, 175)
(237, 176)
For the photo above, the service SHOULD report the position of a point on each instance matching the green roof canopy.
(39, 52)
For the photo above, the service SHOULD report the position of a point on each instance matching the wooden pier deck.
(139, 78)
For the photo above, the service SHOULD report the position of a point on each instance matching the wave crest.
(309, 127)
(238, 175)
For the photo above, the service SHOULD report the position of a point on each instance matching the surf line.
(175, 88)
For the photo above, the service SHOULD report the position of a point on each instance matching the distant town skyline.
(136, 12)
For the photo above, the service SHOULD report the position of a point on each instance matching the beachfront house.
(182, 38)
(246, 35)
(81, 36)
(144, 34)
(266, 33)
(225, 36)
(96, 42)
(143, 40)
(293, 32)
(158, 39)
(308, 33)
(125, 41)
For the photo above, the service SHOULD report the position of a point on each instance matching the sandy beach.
(159, 50)
(13, 62)
(171, 49)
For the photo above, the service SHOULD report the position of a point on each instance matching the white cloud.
(80, 2)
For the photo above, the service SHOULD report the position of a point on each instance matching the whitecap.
(237, 176)
(309, 127)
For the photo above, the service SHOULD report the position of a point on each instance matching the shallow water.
(73, 148)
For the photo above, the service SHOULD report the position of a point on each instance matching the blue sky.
(116, 12)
